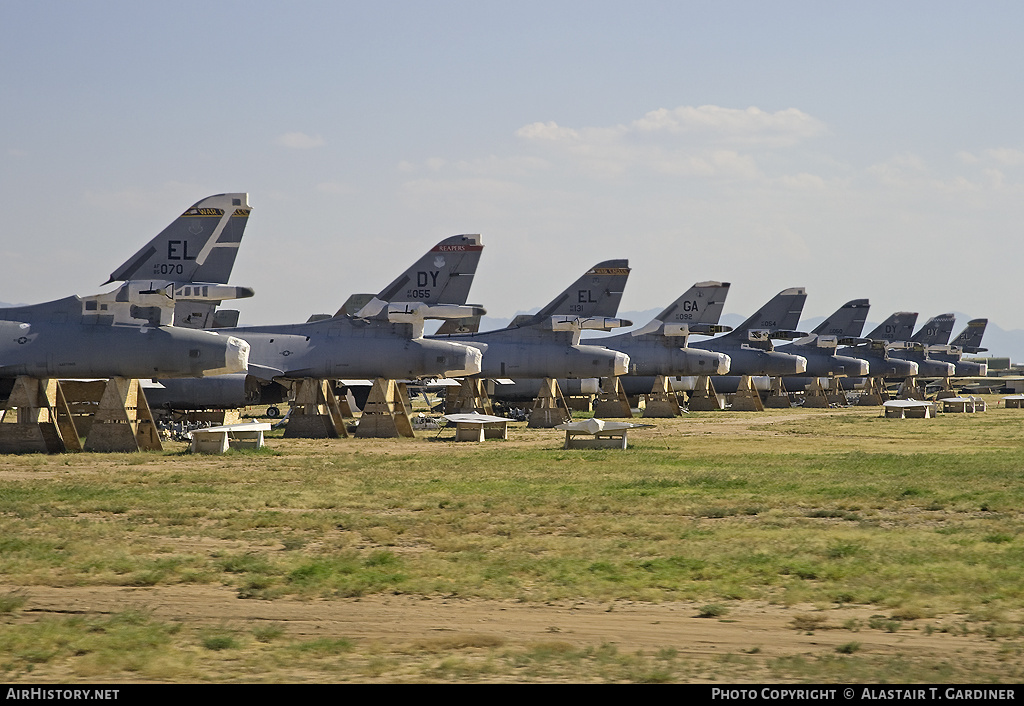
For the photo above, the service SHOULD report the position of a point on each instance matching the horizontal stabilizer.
(788, 335)
(468, 324)
(225, 318)
(598, 323)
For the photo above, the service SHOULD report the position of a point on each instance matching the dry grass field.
(790, 545)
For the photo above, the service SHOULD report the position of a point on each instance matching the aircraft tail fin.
(969, 340)
(898, 327)
(596, 294)
(847, 321)
(199, 246)
(781, 313)
(936, 331)
(700, 304)
(442, 276)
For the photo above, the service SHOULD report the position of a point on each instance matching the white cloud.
(546, 131)
(706, 141)
(1006, 156)
(300, 141)
(752, 124)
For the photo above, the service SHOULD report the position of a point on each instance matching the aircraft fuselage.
(655, 354)
(341, 347)
(531, 352)
(77, 350)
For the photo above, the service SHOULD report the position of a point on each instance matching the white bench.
(217, 440)
(477, 427)
(597, 434)
(904, 409)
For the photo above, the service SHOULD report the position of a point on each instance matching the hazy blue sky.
(868, 149)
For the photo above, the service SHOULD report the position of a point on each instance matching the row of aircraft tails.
(164, 321)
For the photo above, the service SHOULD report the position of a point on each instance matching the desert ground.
(203, 625)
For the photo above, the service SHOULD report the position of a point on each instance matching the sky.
(861, 150)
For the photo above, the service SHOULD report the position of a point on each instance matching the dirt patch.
(745, 627)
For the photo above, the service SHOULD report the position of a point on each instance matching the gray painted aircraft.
(749, 346)
(874, 349)
(844, 328)
(111, 335)
(660, 347)
(901, 344)
(130, 331)
(547, 344)
(820, 347)
(967, 341)
(384, 338)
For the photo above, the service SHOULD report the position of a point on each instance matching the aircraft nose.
(620, 365)
(236, 357)
(799, 365)
(474, 360)
(463, 360)
(724, 363)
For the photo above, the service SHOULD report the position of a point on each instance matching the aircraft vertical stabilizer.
(936, 331)
(700, 304)
(969, 340)
(898, 327)
(847, 321)
(442, 276)
(596, 294)
(199, 246)
(782, 313)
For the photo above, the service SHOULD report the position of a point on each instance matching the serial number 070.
(165, 269)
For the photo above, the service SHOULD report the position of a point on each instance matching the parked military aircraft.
(845, 327)
(820, 347)
(967, 341)
(547, 344)
(127, 332)
(873, 348)
(384, 338)
(749, 346)
(901, 346)
(660, 347)
(80, 338)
